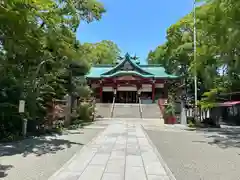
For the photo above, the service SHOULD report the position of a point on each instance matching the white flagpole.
(195, 55)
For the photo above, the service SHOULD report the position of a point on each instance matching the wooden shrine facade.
(128, 80)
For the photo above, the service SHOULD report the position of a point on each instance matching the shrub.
(82, 114)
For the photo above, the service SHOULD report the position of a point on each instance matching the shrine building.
(128, 80)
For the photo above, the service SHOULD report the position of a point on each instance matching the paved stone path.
(121, 152)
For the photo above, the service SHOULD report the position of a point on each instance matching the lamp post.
(195, 56)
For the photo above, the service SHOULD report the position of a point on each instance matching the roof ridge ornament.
(120, 58)
(127, 56)
(135, 57)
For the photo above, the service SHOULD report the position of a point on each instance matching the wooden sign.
(21, 108)
(126, 78)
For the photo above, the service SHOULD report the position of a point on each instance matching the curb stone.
(168, 171)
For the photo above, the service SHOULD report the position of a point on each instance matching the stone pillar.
(183, 117)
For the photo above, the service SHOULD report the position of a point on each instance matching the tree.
(104, 52)
(217, 61)
(37, 45)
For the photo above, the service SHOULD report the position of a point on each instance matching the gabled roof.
(145, 71)
(122, 73)
(131, 62)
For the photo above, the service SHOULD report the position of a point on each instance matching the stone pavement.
(120, 152)
(194, 155)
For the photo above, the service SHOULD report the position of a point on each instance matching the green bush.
(10, 125)
(86, 111)
(191, 124)
(169, 110)
(83, 114)
(83, 91)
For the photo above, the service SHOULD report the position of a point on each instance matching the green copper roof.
(122, 73)
(146, 71)
(131, 62)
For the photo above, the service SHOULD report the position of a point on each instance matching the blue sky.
(136, 26)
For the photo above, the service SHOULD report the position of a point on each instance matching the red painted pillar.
(165, 90)
(153, 92)
(101, 91)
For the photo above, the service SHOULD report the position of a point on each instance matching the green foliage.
(84, 91)
(169, 110)
(191, 124)
(217, 63)
(84, 114)
(85, 111)
(38, 46)
(170, 107)
(104, 52)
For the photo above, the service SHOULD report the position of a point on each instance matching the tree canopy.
(217, 63)
(104, 52)
(38, 52)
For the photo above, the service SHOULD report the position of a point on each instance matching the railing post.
(112, 108)
(140, 107)
(113, 103)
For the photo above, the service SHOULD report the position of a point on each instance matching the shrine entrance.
(126, 97)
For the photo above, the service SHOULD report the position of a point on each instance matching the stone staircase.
(103, 110)
(126, 111)
(151, 111)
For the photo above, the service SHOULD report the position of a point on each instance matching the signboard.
(159, 85)
(127, 88)
(107, 89)
(146, 88)
(127, 78)
(21, 107)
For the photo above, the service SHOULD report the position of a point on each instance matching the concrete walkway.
(121, 152)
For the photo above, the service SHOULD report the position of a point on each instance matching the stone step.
(103, 110)
(126, 111)
(151, 111)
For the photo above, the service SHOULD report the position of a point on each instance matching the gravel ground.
(199, 155)
(39, 158)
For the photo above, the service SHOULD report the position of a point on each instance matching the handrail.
(112, 108)
(140, 107)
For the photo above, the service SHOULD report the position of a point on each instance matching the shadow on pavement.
(222, 137)
(37, 146)
(3, 169)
